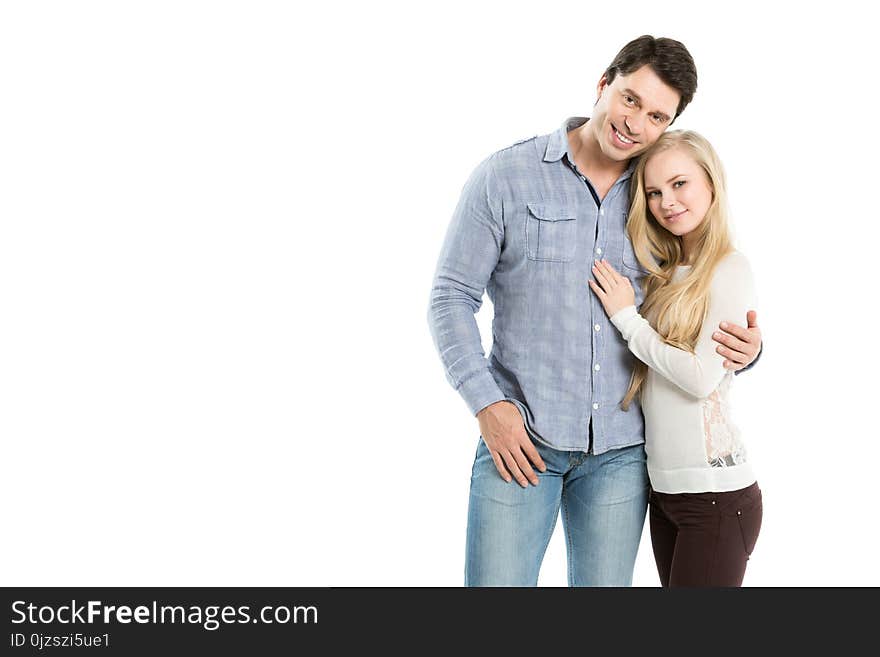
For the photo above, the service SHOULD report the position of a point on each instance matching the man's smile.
(626, 141)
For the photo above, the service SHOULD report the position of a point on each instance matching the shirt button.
(602, 211)
(597, 327)
(595, 405)
(596, 367)
(598, 251)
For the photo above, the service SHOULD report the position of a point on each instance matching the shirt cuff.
(481, 390)
(754, 362)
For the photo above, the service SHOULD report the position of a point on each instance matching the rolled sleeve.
(469, 255)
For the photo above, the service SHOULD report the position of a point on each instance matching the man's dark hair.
(669, 59)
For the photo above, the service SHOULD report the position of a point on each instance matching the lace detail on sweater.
(723, 445)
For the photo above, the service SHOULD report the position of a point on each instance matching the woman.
(705, 503)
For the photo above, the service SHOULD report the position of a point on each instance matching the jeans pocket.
(749, 514)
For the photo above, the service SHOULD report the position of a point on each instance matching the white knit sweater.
(690, 439)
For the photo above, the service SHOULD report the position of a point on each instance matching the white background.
(220, 221)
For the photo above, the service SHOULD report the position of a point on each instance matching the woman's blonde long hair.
(677, 310)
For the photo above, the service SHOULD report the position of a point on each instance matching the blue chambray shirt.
(526, 230)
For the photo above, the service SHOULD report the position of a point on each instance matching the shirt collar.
(557, 145)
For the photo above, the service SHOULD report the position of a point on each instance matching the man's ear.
(603, 83)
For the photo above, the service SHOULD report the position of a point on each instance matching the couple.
(604, 248)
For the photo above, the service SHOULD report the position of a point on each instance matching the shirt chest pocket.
(551, 232)
(632, 268)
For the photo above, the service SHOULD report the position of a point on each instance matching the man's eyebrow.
(630, 92)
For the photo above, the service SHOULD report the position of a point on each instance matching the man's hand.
(739, 346)
(504, 433)
(614, 291)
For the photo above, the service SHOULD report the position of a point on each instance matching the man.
(530, 222)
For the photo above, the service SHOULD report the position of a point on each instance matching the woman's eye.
(678, 183)
(629, 100)
(653, 194)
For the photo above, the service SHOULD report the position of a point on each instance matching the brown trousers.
(704, 539)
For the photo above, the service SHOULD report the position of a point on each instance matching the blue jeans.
(603, 500)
